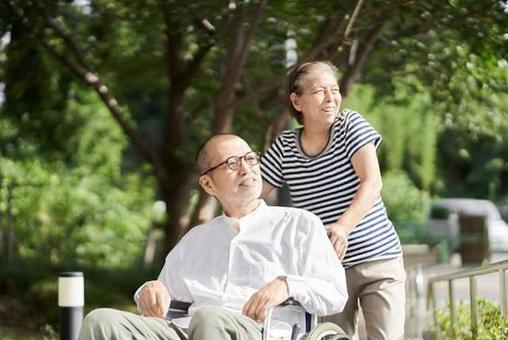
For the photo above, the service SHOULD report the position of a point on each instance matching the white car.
(444, 221)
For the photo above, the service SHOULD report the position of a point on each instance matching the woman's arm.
(366, 166)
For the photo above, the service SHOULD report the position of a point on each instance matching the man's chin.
(253, 190)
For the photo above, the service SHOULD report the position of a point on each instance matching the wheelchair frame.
(180, 309)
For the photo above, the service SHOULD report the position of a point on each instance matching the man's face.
(227, 185)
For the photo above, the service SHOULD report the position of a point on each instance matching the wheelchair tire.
(326, 331)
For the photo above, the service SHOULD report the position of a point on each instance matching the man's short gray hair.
(203, 155)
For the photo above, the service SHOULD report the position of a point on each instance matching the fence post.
(451, 297)
(472, 299)
(502, 291)
(71, 299)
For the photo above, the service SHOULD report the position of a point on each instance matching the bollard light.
(71, 299)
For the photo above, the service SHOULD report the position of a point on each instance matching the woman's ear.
(295, 101)
(206, 184)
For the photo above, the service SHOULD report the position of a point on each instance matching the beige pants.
(378, 287)
(210, 323)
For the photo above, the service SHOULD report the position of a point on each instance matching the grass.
(12, 333)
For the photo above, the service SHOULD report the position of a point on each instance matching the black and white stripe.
(326, 184)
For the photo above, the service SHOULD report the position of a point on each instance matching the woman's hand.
(338, 235)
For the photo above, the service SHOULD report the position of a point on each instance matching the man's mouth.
(248, 181)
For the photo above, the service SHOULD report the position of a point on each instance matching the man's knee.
(98, 322)
(102, 316)
(209, 316)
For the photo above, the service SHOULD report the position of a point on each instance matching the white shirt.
(219, 264)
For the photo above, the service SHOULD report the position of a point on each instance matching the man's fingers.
(253, 309)
(270, 295)
(149, 308)
(154, 300)
(248, 306)
(261, 312)
(146, 302)
(162, 304)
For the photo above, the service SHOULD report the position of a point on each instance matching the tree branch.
(180, 74)
(238, 51)
(89, 78)
(323, 40)
(352, 72)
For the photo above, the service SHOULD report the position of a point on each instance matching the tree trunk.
(176, 197)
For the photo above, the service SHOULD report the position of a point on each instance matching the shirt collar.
(234, 222)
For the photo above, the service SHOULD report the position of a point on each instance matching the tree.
(218, 68)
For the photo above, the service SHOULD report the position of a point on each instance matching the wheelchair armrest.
(290, 302)
(178, 309)
(310, 319)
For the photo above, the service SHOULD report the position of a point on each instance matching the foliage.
(492, 325)
(408, 127)
(475, 163)
(86, 210)
(406, 205)
(432, 79)
(32, 287)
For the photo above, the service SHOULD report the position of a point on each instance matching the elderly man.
(235, 267)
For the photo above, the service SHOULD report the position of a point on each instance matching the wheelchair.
(287, 321)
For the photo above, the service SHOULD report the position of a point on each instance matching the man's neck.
(242, 210)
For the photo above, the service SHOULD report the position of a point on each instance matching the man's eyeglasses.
(233, 162)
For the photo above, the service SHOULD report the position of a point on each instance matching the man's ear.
(295, 101)
(206, 184)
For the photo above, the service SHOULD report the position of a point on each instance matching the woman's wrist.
(348, 228)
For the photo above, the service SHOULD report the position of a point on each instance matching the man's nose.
(244, 167)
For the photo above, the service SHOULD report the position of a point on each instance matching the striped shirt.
(325, 184)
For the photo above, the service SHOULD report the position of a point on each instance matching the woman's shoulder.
(348, 118)
(290, 133)
(347, 114)
(287, 137)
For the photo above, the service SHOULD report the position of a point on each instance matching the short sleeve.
(359, 132)
(271, 163)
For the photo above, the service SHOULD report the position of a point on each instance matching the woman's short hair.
(295, 78)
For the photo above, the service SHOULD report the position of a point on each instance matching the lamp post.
(71, 299)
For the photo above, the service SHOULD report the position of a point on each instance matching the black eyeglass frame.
(257, 154)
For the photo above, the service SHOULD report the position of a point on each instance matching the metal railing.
(471, 274)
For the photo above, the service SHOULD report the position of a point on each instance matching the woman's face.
(320, 99)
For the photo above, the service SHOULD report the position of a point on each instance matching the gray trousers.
(210, 323)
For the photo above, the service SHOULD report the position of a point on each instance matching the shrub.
(406, 205)
(491, 323)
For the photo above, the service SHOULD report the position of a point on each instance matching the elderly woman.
(331, 169)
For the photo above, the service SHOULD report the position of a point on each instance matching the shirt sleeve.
(271, 163)
(359, 133)
(320, 286)
(169, 274)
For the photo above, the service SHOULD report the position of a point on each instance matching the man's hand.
(154, 299)
(338, 236)
(272, 294)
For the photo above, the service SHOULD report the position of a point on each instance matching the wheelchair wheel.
(326, 331)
